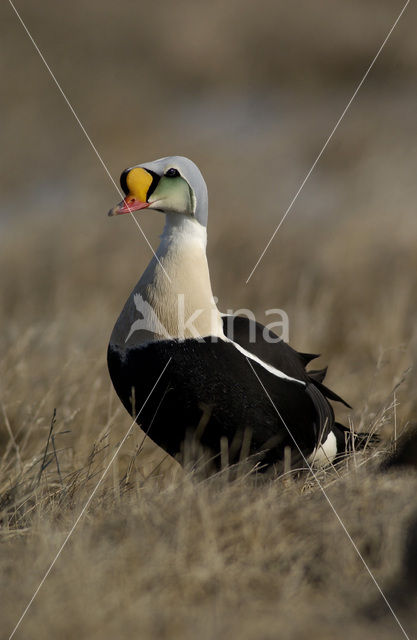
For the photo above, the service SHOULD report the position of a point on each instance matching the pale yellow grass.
(164, 554)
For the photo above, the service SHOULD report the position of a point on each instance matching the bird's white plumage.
(265, 365)
(325, 453)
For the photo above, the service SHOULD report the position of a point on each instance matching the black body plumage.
(210, 392)
(188, 374)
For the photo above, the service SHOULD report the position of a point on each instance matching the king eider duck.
(187, 372)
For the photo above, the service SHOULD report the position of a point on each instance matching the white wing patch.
(265, 365)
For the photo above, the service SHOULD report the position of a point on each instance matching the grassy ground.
(160, 554)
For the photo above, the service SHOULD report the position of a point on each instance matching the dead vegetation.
(162, 553)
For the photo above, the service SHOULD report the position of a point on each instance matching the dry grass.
(160, 553)
(163, 553)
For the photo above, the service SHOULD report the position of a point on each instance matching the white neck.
(181, 226)
(174, 294)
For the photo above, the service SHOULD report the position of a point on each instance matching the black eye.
(172, 173)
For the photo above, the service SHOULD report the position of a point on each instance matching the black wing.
(266, 345)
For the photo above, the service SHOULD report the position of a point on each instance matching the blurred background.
(250, 91)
